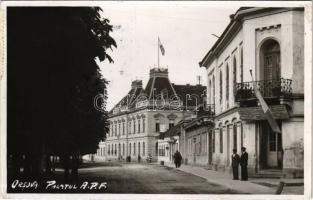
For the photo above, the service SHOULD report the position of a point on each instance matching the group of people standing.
(236, 161)
(242, 161)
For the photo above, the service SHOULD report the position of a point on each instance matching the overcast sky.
(184, 29)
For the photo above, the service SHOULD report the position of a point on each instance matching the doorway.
(270, 147)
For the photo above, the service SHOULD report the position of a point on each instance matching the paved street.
(144, 178)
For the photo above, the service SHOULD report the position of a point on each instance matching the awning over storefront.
(256, 113)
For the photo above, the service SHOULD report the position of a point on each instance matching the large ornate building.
(270, 42)
(137, 120)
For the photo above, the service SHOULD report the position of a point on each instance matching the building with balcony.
(270, 42)
(138, 119)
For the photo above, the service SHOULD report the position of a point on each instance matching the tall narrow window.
(227, 83)
(138, 148)
(134, 148)
(143, 125)
(130, 149)
(221, 87)
(115, 150)
(119, 128)
(134, 126)
(210, 92)
(234, 73)
(221, 139)
(235, 135)
(157, 125)
(143, 149)
(213, 88)
(123, 149)
(115, 129)
(171, 124)
(129, 126)
(123, 127)
(138, 125)
(241, 65)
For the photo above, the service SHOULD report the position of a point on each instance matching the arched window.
(221, 87)
(270, 60)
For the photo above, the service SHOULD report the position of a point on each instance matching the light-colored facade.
(135, 125)
(270, 42)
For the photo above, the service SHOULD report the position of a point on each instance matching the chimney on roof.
(136, 84)
(158, 72)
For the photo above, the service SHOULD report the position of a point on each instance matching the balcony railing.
(275, 88)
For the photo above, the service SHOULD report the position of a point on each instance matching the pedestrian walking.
(244, 164)
(235, 160)
(177, 159)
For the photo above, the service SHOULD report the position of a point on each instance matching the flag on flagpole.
(267, 112)
(161, 47)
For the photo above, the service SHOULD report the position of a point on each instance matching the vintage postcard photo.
(147, 98)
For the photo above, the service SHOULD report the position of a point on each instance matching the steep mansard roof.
(157, 84)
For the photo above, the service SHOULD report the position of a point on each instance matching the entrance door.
(271, 144)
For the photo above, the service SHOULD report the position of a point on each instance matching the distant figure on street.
(235, 160)
(244, 164)
(149, 158)
(139, 158)
(177, 159)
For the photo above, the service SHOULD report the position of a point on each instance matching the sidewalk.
(253, 186)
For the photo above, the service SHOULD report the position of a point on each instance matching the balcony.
(270, 89)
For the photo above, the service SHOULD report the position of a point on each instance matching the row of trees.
(52, 81)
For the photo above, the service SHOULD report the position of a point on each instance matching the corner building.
(270, 42)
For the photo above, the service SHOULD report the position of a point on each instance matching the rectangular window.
(134, 148)
(134, 127)
(119, 129)
(130, 149)
(143, 125)
(138, 125)
(123, 149)
(129, 127)
(143, 149)
(115, 130)
(171, 125)
(221, 140)
(123, 127)
(157, 127)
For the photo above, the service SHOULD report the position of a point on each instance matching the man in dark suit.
(235, 160)
(244, 164)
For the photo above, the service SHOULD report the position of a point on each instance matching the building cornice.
(232, 29)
